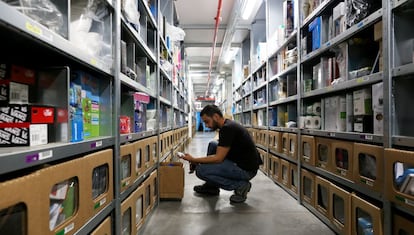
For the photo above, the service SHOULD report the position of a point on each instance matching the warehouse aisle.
(267, 210)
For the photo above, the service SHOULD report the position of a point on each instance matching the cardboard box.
(264, 157)
(275, 141)
(342, 159)
(171, 180)
(285, 143)
(139, 208)
(147, 157)
(63, 191)
(153, 143)
(22, 195)
(402, 225)
(285, 172)
(399, 165)
(100, 185)
(368, 166)
(105, 228)
(152, 181)
(127, 161)
(127, 216)
(293, 146)
(365, 214)
(14, 93)
(322, 196)
(335, 113)
(363, 123)
(276, 168)
(362, 102)
(323, 155)
(293, 181)
(308, 149)
(138, 158)
(378, 31)
(340, 209)
(308, 187)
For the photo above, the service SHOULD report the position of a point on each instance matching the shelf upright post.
(116, 115)
(299, 91)
(387, 94)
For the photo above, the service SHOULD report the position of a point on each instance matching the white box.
(363, 102)
(339, 11)
(378, 108)
(38, 134)
(335, 113)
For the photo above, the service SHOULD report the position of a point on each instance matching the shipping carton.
(402, 225)
(293, 181)
(127, 216)
(340, 209)
(369, 166)
(171, 180)
(138, 158)
(276, 168)
(323, 153)
(139, 209)
(285, 172)
(126, 154)
(275, 141)
(293, 146)
(285, 143)
(365, 215)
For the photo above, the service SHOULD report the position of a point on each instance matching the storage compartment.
(126, 152)
(366, 218)
(322, 198)
(263, 156)
(293, 182)
(323, 153)
(18, 213)
(285, 143)
(153, 141)
(138, 196)
(400, 177)
(152, 180)
(368, 166)
(308, 187)
(403, 224)
(64, 195)
(276, 168)
(285, 172)
(340, 209)
(342, 152)
(275, 141)
(138, 154)
(126, 217)
(147, 156)
(308, 149)
(99, 180)
(293, 147)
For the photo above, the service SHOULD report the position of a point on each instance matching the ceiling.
(197, 19)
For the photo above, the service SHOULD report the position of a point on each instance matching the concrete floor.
(267, 210)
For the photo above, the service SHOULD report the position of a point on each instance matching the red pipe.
(218, 15)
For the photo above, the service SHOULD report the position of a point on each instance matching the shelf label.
(360, 24)
(69, 228)
(97, 144)
(331, 134)
(369, 137)
(327, 44)
(93, 61)
(45, 155)
(33, 28)
(129, 137)
(100, 203)
(367, 182)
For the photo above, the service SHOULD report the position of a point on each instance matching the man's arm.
(220, 155)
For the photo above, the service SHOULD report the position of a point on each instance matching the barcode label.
(99, 143)
(409, 202)
(19, 93)
(35, 137)
(45, 155)
(69, 228)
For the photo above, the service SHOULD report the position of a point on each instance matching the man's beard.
(215, 126)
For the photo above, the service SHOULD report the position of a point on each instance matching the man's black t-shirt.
(242, 148)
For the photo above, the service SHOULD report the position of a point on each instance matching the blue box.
(315, 27)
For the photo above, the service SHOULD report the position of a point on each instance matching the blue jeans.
(226, 175)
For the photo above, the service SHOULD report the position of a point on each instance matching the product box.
(378, 108)
(293, 181)
(105, 228)
(399, 176)
(152, 180)
(308, 187)
(402, 225)
(365, 217)
(342, 159)
(335, 113)
(319, 29)
(308, 149)
(17, 74)
(63, 194)
(146, 157)
(323, 150)
(275, 141)
(340, 209)
(285, 172)
(15, 93)
(99, 181)
(293, 146)
(139, 209)
(363, 123)
(171, 180)
(362, 102)
(19, 206)
(127, 160)
(369, 166)
(322, 196)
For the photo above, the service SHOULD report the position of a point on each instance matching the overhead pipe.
(218, 19)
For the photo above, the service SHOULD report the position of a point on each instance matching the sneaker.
(207, 189)
(240, 194)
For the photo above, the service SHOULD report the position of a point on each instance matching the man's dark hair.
(210, 110)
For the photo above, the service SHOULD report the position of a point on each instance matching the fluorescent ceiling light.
(249, 7)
